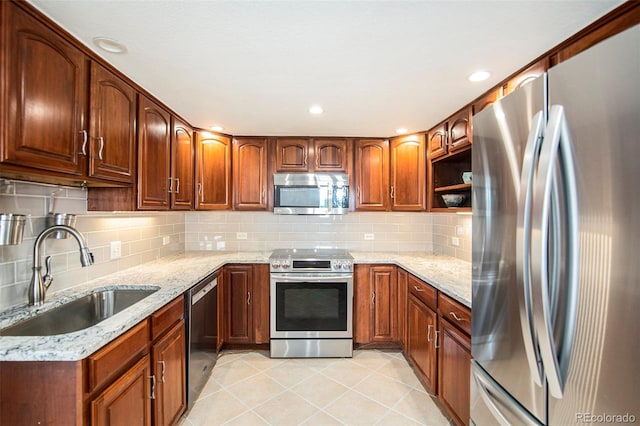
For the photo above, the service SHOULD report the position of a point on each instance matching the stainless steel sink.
(79, 314)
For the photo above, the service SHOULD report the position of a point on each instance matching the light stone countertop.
(172, 276)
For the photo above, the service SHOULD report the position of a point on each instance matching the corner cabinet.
(372, 174)
(154, 156)
(408, 173)
(213, 171)
(250, 173)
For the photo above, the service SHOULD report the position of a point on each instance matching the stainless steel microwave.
(311, 193)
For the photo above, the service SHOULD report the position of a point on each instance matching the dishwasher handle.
(203, 291)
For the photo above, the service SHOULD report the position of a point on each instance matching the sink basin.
(79, 314)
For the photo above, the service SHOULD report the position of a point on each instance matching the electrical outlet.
(115, 250)
(460, 230)
(455, 241)
(166, 240)
(241, 235)
(369, 237)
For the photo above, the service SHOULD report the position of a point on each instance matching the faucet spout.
(38, 287)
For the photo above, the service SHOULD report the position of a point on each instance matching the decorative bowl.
(467, 177)
(454, 200)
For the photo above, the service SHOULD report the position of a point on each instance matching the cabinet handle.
(418, 288)
(200, 192)
(153, 387)
(373, 297)
(84, 141)
(170, 185)
(248, 298)
(162, 363)
(392, 191)
(317, 161)
(264, 196)
(453, 134)
(305, 158)
(177, 185)
(437, 343)
(457, 318)
(429, 327)
(101, 140)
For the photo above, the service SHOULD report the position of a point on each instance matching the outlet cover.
(115, 250)
(460, 230)
(455, 241)
(369, 237)
(241, 235)
(166, 240)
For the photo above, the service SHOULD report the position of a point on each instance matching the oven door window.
(311, 307)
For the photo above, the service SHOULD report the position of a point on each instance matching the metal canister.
(11, 228)
(61, 219)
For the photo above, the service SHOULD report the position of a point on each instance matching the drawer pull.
(153, 387)
(429, 332)
(162, 363)
(418, 288)
(437, 345)
(457, 318)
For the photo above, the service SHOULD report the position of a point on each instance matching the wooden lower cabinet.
(454, 370)
(376, 304)
(422, 341)
(127, 401)
(246, 301)
(169, 369)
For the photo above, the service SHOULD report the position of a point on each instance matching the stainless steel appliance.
(202, 338)
(311, 303)
(555, 240)
(311, 193)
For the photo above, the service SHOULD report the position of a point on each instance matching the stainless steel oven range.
(311, 303)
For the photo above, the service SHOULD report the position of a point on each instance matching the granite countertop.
(172, 276)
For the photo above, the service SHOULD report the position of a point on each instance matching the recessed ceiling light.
(217, 128)
(109, 45)
(479, 76)
(401, 130)
(315, 109)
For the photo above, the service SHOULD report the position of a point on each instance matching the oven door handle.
(286, 278)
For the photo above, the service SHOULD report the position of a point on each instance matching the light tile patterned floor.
(372, 388)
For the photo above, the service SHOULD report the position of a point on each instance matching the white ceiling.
(255, 67)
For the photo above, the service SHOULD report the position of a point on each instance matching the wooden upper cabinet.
(154, 156)
(112, 131)
(213, 171)
(486, 100)
(44, 95)
(526, 76)
(460, 130)
(408, 172)
(292, 154)
(182, 162)
(331, 155)
(250, 174)
(437, 139)
(372, 174)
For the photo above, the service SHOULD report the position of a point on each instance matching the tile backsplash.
(142, 233)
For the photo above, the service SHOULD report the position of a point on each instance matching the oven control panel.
(307, 260)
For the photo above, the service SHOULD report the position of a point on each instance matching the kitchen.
(143, 234)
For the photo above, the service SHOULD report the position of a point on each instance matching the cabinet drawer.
(166, 316)
(110, 361)
(423, 292)
(455, 312)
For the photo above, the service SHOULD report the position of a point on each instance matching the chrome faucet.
(40, 284)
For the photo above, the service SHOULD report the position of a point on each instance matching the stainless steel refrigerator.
(556, 245)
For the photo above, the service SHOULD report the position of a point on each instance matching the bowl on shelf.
(454, 200)
(467, 177)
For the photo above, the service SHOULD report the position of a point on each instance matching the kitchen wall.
(142, 234)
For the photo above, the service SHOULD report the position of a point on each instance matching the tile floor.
(372, 388)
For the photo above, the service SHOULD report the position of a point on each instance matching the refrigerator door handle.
(493, 395)
(523, 246)
(555, 350)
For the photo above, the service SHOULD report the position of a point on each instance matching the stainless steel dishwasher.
(202, 327)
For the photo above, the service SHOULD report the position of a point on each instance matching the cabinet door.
(154, 156)
(169, 369)
(127, 401)
(237, 281)
(408, 172)
(372, 174)
(112, 126)
(403, 294)
(259, 303)
(292, 155)
(455, 365)
(250, 174)
(213, 171)
(437, 140)
(526, 76)
(486, 100)
(331, 155)
(384, 304)
(44, 96)
(460, 130)
(182, 161)
(421, 323)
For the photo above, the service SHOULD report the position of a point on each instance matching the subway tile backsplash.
(141, 235)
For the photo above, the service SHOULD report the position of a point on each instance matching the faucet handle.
(48, 277)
